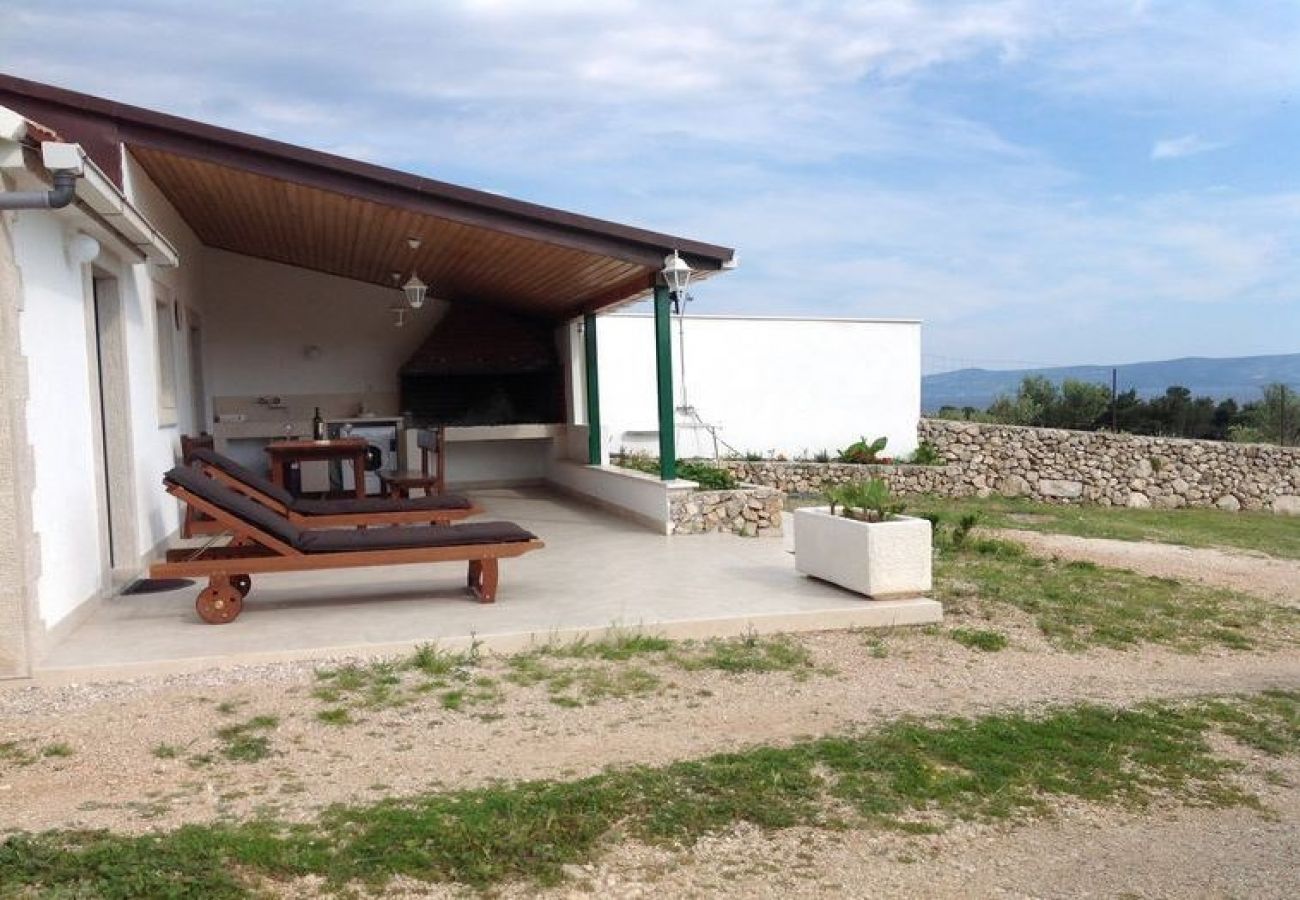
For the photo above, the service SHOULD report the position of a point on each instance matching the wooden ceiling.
(356, 238)
(301, 207)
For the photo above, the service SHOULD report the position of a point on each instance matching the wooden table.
(285, 453)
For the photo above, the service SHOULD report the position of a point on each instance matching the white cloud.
(1187, 145)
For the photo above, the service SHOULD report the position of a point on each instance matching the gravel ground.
(1249, 573)
(113, 778)
(108, 771)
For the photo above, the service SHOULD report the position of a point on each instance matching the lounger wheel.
(220, 602)
(242, 583)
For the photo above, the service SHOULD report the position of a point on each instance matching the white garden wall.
(772, 385)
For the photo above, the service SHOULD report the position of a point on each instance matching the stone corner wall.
(798, 477)
(1138, 471)
(750, 510)
(1059, 466)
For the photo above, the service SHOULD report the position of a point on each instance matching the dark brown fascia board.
(167, 133)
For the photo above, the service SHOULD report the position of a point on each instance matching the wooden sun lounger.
(307, 513)
(265, 541)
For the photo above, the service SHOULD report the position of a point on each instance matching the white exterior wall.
(57, 333)
(262, 315)
(771, 385)
(157, 445)
(53, 327)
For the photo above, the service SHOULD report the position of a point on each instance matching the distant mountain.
(1240, 378)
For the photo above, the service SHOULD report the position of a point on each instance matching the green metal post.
(664, 369)
(593, 389)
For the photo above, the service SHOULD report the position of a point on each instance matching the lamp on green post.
(676, 277)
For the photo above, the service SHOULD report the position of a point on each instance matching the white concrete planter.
(879, 559)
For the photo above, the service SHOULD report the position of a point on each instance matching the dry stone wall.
(1065, 466)
(752, 511)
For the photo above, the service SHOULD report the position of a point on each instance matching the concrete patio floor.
(597, 571)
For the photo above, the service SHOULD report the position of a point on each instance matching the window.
(165, 317)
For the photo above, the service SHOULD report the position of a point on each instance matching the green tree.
(1081, 405)
(1273, 420)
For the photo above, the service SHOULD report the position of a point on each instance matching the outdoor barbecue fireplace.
(483, 366)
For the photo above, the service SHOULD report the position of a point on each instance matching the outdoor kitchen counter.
(501, 432)
(494, 455)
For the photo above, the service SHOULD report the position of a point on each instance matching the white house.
(162, 277)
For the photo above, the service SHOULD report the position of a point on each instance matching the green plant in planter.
(866, 501)
(863, 452)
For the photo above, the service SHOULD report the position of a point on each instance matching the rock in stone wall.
(1064, 466)
(752, 511)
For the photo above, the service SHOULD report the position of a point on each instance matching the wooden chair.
(265, 541)
(432, 442)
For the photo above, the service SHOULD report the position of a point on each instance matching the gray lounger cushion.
(342, 540)
(243, 473)
(354, 505)
(234, 503)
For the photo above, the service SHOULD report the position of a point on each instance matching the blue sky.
(1042, 182)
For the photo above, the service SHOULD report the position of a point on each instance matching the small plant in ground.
(615, 645)
(58, 749)
(979, 639)
(335, 715)
(750, 653)
(245, 742)
(863, 452)
(965, 524)
(435, 662)
(166, 751)
(14, 753)
(866, 501)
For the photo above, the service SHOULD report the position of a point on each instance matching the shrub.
(927, 454)
(867, 501)
(863, 451)
(709, 478)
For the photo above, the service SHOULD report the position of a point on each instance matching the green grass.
(1078, 604)
(979, 639)
(246, 741)
(15, 754)
(620, 664)
(166, 751)
(910, 776)
(57, 750)
(1262, 531)
(750, 653)
(335, 715)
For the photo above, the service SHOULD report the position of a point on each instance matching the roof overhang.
(302, 207)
